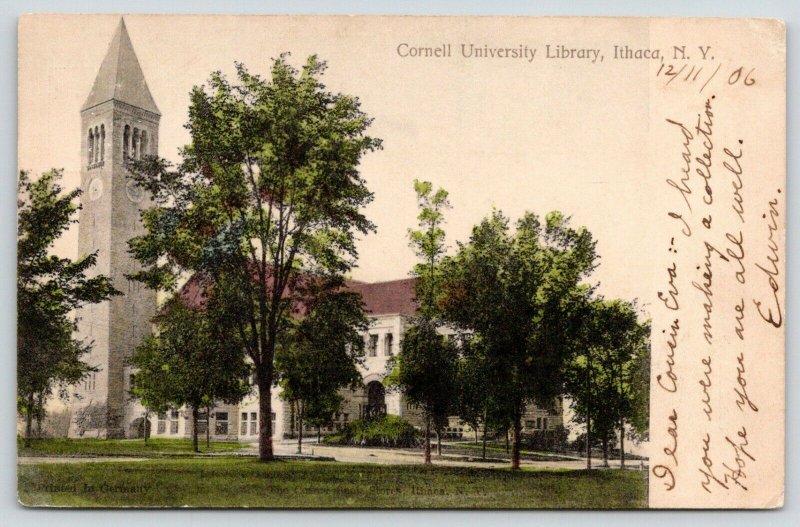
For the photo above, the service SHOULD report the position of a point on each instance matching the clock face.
(134, 191)
(95, 189)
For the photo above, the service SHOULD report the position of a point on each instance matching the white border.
(13, 514)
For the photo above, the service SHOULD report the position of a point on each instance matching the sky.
(496, 133)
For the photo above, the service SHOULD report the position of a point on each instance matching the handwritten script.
(719, 285)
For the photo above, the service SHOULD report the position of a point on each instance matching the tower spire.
(120, 77)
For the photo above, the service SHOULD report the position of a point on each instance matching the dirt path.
(388, 456)
(383, 456)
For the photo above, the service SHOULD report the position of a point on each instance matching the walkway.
(348, 454)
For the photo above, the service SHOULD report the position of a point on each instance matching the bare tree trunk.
(145, 424)
(265, 452)
(39, 415)
(588, 442)
(427, 438)
(319, 434)
(605, 451)
(292, 419)
(622, 443)
(517, 441)
(476, 435)
(29, 421)
(438, 442)
(485, 420)
(195, 445)
(508, 449)
(208, 426)
(300, 429)
(589, 408)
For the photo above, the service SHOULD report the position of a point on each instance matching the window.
(243, 429)
(162, 424)
(202, 422)
(387, 344)
(373, 345)
(135, 151)
(544, 425)
(344, 418)
(173, 421)
(528, 424)
(97, 144)
(221, 424)
(90, 383)
(102, 142)
(253, 423)
(91, 145)
(538, 423)
(126, 142)
(143, 145)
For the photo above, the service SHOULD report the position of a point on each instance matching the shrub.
(384, 430)
(554, 440)
(579, 445)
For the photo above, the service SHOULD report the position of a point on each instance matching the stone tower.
(119, 121)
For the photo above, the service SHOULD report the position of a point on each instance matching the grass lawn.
(122, 447)
(244, 482)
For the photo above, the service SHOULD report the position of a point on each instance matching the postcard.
(401, 262)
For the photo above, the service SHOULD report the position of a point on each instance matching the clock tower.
(119, 122)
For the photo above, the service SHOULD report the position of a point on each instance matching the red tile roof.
(395, 297)
(387, 298)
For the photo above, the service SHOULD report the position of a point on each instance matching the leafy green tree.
(321, 354)
(639, 385)
(189, 362)
(152, 384)
(472, 391)
(480, 404)
(427, 362)
(268, 191)
(516, 290)
(49, 288)
(605, 377)
(428, 242)
(425, 372)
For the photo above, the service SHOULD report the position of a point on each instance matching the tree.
(426, 364)
(516, 291)
(321, 354)
(49, 288)
(268, 191)
(639, 386)
(153, 385)
(481, 404)
(189, 362)
(605, 377)
(425, 371)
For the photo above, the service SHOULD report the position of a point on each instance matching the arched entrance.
(376, 400)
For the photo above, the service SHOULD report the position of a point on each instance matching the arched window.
(91, 145)
(126, 142)
(102, 142)
(96, 144)
(143, 145)
(135, 143)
